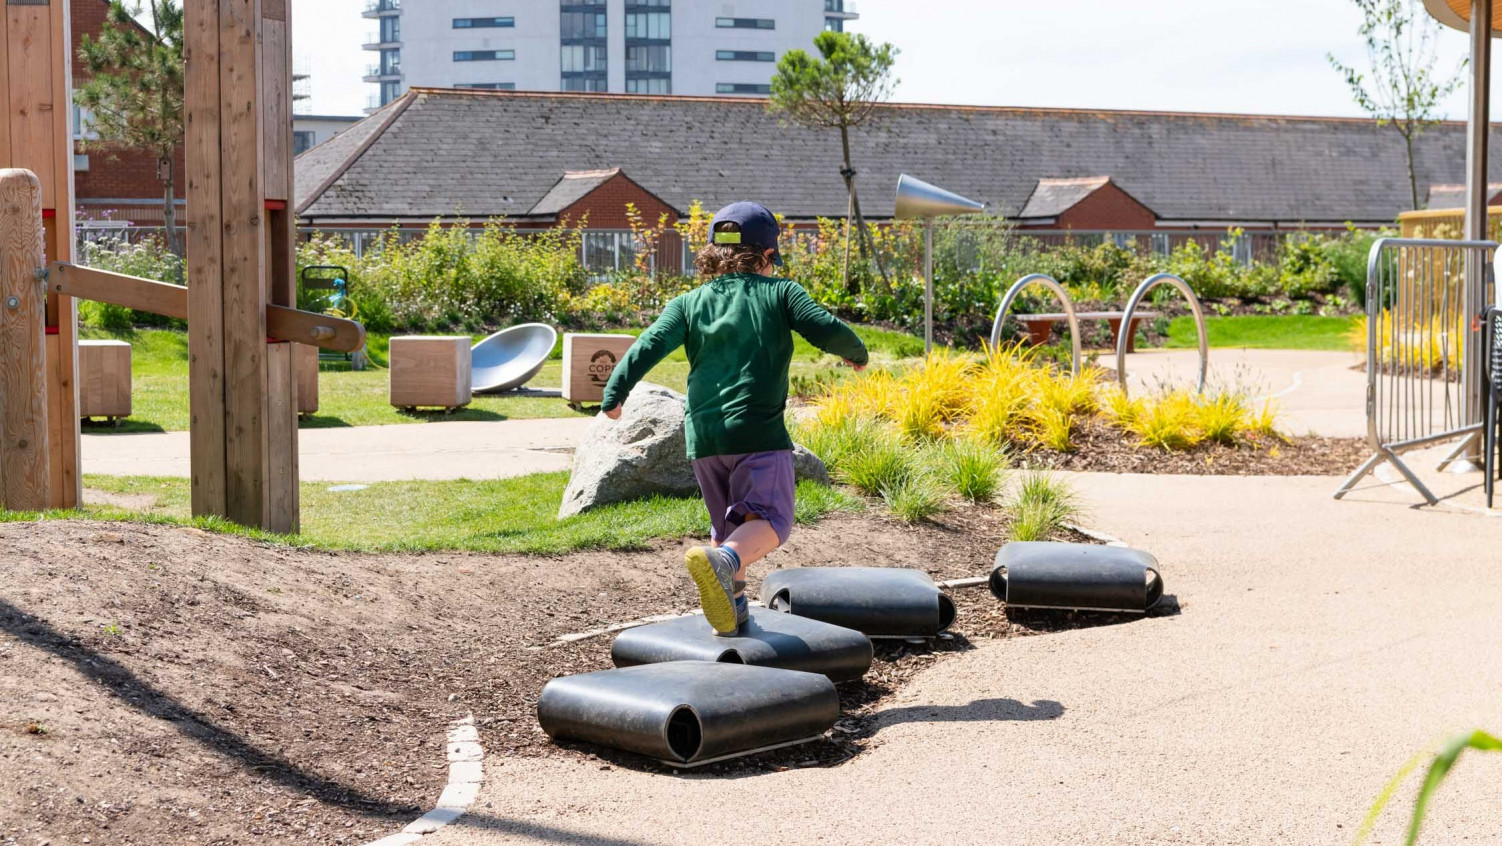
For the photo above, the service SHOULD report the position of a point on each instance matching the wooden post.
(1473, 368)
(25, 463)
(244, 438)
(36, 134)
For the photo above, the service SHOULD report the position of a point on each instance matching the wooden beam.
(242, 207)
(282, 489)
(25, 471)
(168, 300)
(28, 52)
(62, 312)
(35, 133)
(204, 254)
(275, 66)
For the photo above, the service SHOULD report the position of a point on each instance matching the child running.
(737, 328)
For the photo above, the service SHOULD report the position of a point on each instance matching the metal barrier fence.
(1424, 356)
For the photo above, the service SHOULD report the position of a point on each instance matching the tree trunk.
(848, 174)
(867, 249)
(169, 204)
(1413, 179)
(849, 210)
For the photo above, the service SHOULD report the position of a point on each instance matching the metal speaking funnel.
(918, 199)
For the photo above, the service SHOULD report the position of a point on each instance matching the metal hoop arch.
(1063, 295)
(1125, 338)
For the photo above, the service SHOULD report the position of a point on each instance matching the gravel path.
(1320, 644)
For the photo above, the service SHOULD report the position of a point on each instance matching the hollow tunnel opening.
(946, 611)
(685, 735)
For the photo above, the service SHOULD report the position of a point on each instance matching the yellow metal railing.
(1446, 223)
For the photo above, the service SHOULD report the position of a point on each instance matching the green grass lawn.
(504, 515)
(1286, 332)
(159, 368)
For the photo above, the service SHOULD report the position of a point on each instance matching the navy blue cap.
(758, 227)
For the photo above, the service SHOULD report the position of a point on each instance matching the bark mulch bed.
(161, 684)
(1100, 448)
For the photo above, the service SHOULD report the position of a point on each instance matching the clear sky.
(1258, 56)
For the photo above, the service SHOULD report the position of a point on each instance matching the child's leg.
(753, 541)
(750, 501)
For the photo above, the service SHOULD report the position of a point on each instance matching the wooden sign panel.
(588, 361)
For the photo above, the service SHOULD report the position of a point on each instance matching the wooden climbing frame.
(240, 302)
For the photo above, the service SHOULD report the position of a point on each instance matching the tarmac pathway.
(1316, 391)
(1320, 645)
(448, 450)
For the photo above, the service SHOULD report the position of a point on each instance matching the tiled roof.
(572, 188)
(490, 153)
(1053, 197)
(1453, 196)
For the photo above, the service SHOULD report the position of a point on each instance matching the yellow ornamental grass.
(933, 395)
(1003, 388)
(1119, 408)
(1006, 399)
(1223, 418)
(1426, 346)
(1170, 422)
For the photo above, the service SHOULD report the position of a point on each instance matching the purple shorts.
(736, 487)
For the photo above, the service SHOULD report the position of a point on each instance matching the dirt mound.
(161, 684)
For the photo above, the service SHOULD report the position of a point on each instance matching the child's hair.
(720, 259)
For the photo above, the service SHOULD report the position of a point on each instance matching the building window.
(745, 23)
(655, 58)
(483, 23)
(302, 141)
(582, 25)
(390, 91)
(649, 85)
(391, 30)
(745, 56)
(583, 58)
(607, 250)
(741, 88)
(657, 26)
(834, 25)
(391, 62)
(585, 83)
(653, 4)
(487, 86)
(484, 55)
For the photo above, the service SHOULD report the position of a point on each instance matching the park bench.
(1039, 326)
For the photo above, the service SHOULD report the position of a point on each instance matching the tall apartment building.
(630, 46)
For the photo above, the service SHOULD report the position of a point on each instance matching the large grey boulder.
(644, 453)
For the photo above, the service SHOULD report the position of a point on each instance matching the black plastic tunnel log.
(768, 639)
(877, 601)
(689, 711)
(1076, 576)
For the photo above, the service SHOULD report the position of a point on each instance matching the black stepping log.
(688, 713)
(769, 639)
(1076, 576)
(877, 601)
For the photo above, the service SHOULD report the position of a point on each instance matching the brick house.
(1150, 178)
(118, 183)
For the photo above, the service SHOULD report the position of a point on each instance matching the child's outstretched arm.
(822, 329)
(662, 337)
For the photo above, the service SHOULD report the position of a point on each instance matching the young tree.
(134, 96)
(1403, 90)
(841, 89)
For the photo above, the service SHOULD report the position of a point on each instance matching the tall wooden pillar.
(239, 143)
(36, 101)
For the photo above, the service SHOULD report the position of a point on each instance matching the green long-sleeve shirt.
(738, 333)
